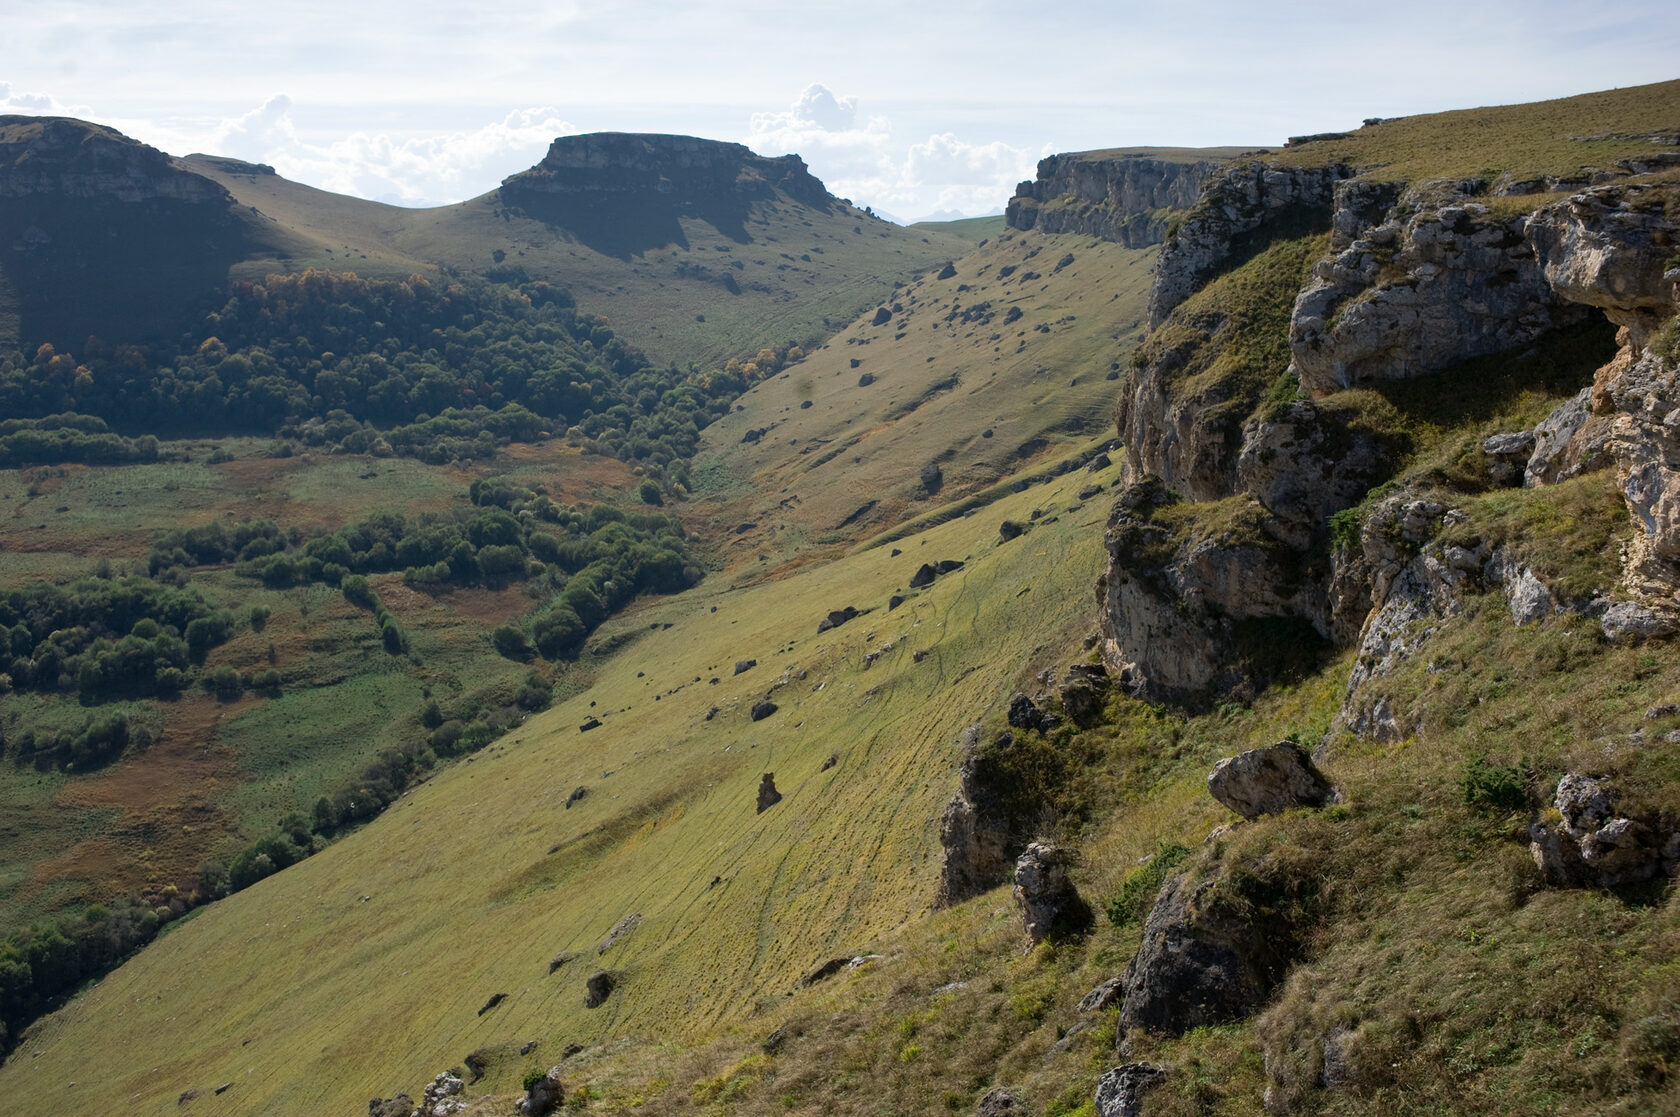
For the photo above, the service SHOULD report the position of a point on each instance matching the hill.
(1358, 761)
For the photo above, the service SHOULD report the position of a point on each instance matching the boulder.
(932, 477)
(768, 796)
(1270, 780)
(598, 988)
(400, 1106)
(619, 931)
(1568, 442)
(1085, 691)
(1590, 847)
(1530, 600)
(974, 832)
(1628, 622)
(543, 1096)
(1008, 530)
(1000, 1102)
(1103, 996)
(745, 665)
(576, 796)
(1120, 1091)
(836, 618)
(1508, 455)
(1050, 904)
(762, 710)
(1024, 713)
(923, 576)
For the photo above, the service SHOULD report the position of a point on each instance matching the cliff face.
(1418, 278)
(102, 234)
(1126, 198)
(623, 193)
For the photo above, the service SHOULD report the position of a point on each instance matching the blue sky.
(913, 108)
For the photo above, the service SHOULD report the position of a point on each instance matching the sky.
(918, 109)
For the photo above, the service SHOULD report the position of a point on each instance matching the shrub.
(1493, 789)
(1140, 886)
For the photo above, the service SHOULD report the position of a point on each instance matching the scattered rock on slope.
(1050, 904)
(768, 796)
(543, 1096)
(1589, 846)
(598, 988)
(999, 1102)
(1120, 1091)
(1269, 780)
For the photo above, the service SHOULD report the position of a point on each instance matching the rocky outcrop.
(1000, 1102)
(1126, 197)
(1307, 461)
(676, 168)
(543, 1096)
(1590, 845)
(1050, 904)
(1120, 1091)
(1269, 780)
(1432, 285)
(1238, 201)
(1201, 962)
(1180, 593)
(978, 838)
(768, 796)
(1085, 690)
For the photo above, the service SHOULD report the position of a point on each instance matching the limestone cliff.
(102, 234)
(1418, 279)
(1123, 196)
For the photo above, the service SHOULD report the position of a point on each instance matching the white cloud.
(865, 160)
(414, 170)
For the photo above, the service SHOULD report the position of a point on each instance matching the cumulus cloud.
(32, 104)
(859, 156)
(413, 170)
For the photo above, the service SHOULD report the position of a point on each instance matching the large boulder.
(1050, 904)
(1120, 1091)
(1000, 1102)
(1590, 847)
(1270, 780)
(543, 1096)
(975, 831)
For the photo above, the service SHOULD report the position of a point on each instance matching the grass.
(1560, 137)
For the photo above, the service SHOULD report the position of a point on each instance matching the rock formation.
(543, 1096)
(1049, 903)
(768, 796)
(1120, 1091)
(1269, 780)
(1126, 197)
(974, 833)
(1590, 846)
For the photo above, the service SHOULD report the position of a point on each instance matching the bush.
(1140, 886)
(1495, 790)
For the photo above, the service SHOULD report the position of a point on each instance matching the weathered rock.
(441, 1097)
(1307, 461)
(1628, 622)
(1568, 442)
(1106, 995)
(1435, 285)
(824, 970)
(745, 665)
(543, 1096)
(947, 272)
(1120, 1091)
(1609, 247)
(589, 723)
(1508, 455)
(1176, 597)
(598, 988)
(923, 576)
(495, 999)
(866, 379)
(1000, 1102)
(1050, 904)
(1024, 713)
(1125, 198)
(1240, 199)
(1590, 847)
(1008, 530)
(1200, 963)
(1530, 600)
(1270, 780)
(932, 477)
(974, 832)
(882, 316)
(577, 796)
(1085, 690)
(619, 931)
(836, 618)
(400, 1106)
(762, 710)
(562, 958)
(768, 796)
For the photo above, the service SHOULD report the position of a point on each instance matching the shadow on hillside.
(120, 270)
(626, 226)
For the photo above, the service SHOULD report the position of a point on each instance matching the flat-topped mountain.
(682, 168)
(1124, 195)
(101, 234)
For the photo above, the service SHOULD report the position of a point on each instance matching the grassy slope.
(1546, 137)
(803, 272)
(463, 899)
(1039, 393)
